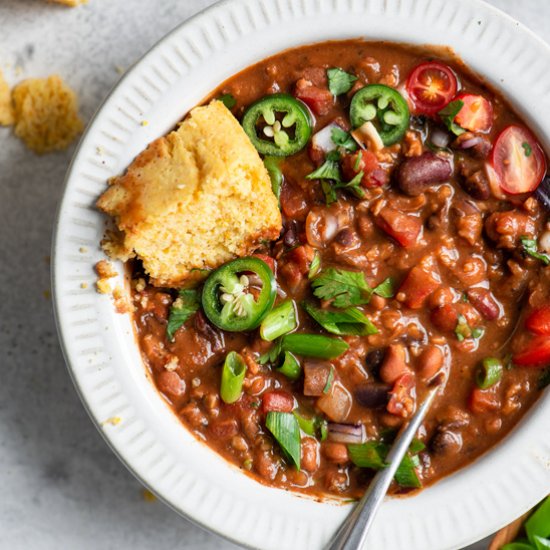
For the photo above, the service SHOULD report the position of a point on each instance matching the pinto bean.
(506, 228)
(417, 174)
(431, 361)
(394, 365)
(335, 452)
(310, 454)
(171, 384)
(484, 301)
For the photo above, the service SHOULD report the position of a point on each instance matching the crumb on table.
(6, 106)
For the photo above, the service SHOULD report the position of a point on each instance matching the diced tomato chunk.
(293, 203)
(278, 401)
(302, 256)
(482, 401)
(366, 162)
(538, 321)
(536, 354)
(404, 228)
(319, 100)
(403, 396)
(418, 285)
(267, 259)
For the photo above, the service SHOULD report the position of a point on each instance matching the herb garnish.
(463, 330)
(328, 170)
(344, 288)
(385, 288)
(448, 114)
(339, 82)
(228, 100)
(187, 303)
(527, 148)
(343, 139)
(530, 247)
(349, 322)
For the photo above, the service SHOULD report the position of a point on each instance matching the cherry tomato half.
(536, 354)
(518, 160)
(538, 322)
(476, 114)
(431, 86)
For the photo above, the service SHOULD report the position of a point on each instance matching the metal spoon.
(354, 530)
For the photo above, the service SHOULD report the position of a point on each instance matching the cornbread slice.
(193, 199)
(46, 114)
(6, 107)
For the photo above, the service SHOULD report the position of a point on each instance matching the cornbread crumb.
(113, 421)
(70, 3)
(103, 286)
(148, 496)
(145, 123)
(192, 200)
(122, 301)
(105, 269)
(84, 285)
(6, 107)
(46, 114)
(83, 250)
(139, 284)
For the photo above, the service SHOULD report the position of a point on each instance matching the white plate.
(99, 344)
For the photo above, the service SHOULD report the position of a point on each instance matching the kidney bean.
(484, 301)
(373, 395)
(445, 318)
(417, 174)
(171, 384)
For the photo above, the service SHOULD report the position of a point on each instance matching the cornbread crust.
(6, 106)
(46, 114)
(193, 199)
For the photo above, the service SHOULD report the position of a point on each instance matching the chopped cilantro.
(349, 322)
(329, 170)
(344, 288)
(187, 303)
(343, 139)
(385, 288)
(527, 149)
(530, 247)
(339, 82)
(448, 114)
(272, 355)
(228, 100)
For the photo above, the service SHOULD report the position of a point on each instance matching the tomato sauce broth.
(463, 287)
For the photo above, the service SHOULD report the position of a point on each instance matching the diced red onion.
(439, 137)
(469, 143)
(323, 138)
(346, 433)
(321, 228)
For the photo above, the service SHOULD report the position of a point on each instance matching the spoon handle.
(353, 532)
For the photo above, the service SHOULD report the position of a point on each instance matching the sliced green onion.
(372, 455)
(330, 380)
(518, 545)
(234, 369)
(279, 321)
(316, 426)
(489, 373)
(416, 446)
(315, 266)
(291, 367)
(539, 523)
(314, 345)
(286, 431)
(273, 167)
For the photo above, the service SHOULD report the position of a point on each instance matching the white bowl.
(99, 344)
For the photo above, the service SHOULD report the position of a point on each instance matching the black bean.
(374, 359)
(373, 396)
(446, 441)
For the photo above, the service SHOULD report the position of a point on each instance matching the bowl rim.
(67, 333)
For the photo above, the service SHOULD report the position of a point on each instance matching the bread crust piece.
(194, 199)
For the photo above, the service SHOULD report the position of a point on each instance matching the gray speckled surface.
(61, 487)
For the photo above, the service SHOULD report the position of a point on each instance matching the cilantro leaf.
(339, 82)
(343, 139)
(228, 100)
(530, 247)
(329, 170)
(271, 355)
(354, 186)
(351, 321)
(330, 193)
(187, 303)
(344, 288)
(448, 114)
(385, 288)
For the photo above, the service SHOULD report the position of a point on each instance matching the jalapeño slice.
(226, 299)
(278, 125)
(385, 108)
